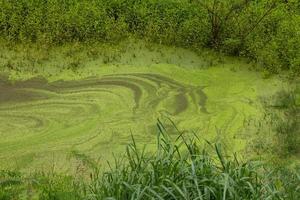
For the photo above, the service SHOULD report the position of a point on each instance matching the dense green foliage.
(266, 31)
(179, 170)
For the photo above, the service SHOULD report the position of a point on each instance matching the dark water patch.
(36, 83)
(199, 98)
(181, 102)
(10, 94)
(202, 100)
(15, 92)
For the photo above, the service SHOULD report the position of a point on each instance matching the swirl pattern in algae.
(41, 121)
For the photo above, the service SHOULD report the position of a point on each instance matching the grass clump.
(180, 171)
(176, 170)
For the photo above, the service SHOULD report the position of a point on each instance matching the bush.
(266, 31)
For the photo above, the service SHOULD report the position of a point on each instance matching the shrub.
(266, 31)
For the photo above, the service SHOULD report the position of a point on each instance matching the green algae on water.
(95, 106)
